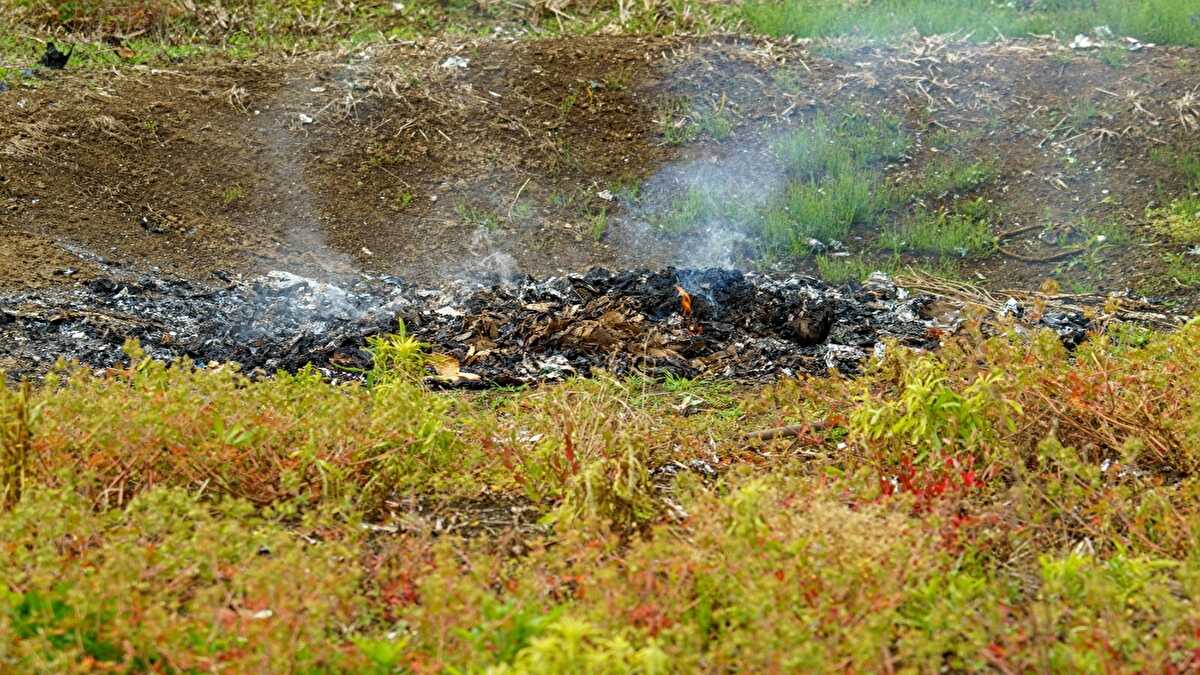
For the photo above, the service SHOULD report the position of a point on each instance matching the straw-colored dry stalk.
(15, 442)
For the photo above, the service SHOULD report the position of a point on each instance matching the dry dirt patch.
(435, 159)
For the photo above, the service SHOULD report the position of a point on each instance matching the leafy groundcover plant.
(1000, 504)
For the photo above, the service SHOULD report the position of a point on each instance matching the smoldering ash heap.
(688, 322)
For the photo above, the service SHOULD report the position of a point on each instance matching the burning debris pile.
(688, 322)
(710, 322)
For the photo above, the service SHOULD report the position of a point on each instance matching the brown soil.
(397, 161)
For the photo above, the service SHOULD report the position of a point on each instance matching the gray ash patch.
(740, 325)
(278, 321)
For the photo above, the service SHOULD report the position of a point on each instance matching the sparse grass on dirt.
(1183, 163)
(475, 216)
(153, 31)
(800, 148)
(834, 171)
(598, 224)
(1108, 232)
(1003, 503)
(231, 194)
(941, 233)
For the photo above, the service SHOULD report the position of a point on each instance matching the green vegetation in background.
(169, 31)
(832, 180)
(214, 22)
(1160, 21)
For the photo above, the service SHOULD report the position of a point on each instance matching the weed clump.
(1178, 221)
(590, 459)
(823, 211)
(832, 172)
(827, 148)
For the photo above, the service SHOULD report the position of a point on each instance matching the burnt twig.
(1020, 230)
(1050, 258)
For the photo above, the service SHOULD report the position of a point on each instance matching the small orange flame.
(685, 301)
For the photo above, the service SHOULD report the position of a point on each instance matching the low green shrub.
(1003, 502)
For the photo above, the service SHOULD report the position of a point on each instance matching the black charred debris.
(711, 322)
(54, 58)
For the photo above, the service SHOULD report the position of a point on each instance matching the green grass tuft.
(956, 177)
(842, 270)
(1178, 221)
(825, 148)
(716, 124)
(941, 233)
(475, 216)
(1108, 232)
(598, 224)
(1183, 269)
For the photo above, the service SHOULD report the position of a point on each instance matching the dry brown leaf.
(448, 369)
(595, 333)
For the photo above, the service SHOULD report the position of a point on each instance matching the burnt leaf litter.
(686, 322)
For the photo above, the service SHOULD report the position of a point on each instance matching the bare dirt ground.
(435, 159)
